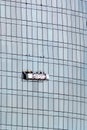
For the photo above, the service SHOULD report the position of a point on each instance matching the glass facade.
(48, 36)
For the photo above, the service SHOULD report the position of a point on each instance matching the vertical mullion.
(83, 18)
(16, 68)
(82, 60)
(84, 73)
(72, 64)
(76, 74)
(63, 60)
(22, 58)
(67, 58)
(0, 70)
(42, 68)
(58, 59)
(32, 68)
(37, 70)
(53, 67)
(67, 70)
(6, 65)
(68, 80)
(80, 72)
(27, 59)
(48, 64)
(42, 11)
(73, 71)
(11, 69)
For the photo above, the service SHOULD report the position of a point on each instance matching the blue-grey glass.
(48, 36)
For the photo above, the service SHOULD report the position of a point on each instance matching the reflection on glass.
(47, 36)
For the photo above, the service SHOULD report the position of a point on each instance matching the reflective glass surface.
(48, 36)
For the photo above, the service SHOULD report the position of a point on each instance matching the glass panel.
(47, 36)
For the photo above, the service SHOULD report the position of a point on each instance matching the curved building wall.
(48, 36)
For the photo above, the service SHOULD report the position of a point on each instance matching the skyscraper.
(43, 36)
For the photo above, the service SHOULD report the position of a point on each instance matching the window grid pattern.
(48, 36)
